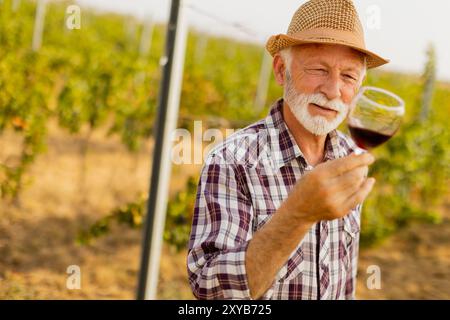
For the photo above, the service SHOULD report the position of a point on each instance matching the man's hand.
(332, 189)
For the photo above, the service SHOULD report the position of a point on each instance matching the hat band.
(327, 33)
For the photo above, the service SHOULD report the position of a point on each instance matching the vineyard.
(94, 89)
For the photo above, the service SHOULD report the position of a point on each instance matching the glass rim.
(400, 107)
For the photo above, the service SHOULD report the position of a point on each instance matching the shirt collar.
(283, 147)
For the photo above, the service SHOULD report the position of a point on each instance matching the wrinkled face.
(320, 83)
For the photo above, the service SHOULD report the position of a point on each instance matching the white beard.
(298, 104)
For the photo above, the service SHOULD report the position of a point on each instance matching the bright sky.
(399, 30)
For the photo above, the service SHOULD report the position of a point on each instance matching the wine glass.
(375, 116)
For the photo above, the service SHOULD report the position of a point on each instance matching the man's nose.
(331, 88)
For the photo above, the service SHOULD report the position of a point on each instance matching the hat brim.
(282, 41)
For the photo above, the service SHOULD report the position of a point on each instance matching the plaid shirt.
(243, 182)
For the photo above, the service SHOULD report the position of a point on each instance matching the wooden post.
(146, 36)
(39, 24)
(263, 84)
(15, 5)
(200, 47)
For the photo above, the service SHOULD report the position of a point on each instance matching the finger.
(348, 184)
(360, 195)
(339, 166)
(350, 181)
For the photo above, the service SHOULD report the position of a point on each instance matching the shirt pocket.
(351, 227)
(350, 235)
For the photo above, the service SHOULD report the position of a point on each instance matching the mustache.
(316, 98)
(322, 101)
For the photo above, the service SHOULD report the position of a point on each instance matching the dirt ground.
(37, 235)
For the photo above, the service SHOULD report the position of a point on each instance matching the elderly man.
(278, 206)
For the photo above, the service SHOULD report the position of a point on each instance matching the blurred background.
(77, 111)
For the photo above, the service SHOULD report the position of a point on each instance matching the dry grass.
(414, 264)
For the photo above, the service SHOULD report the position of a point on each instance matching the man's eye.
(348, 76)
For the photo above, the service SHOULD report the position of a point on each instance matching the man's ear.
(279, 69)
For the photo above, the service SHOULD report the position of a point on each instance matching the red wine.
(366, 138)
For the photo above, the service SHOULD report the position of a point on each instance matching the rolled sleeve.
(221, 231)
(221, 276)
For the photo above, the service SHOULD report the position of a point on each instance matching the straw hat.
(329, 22)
